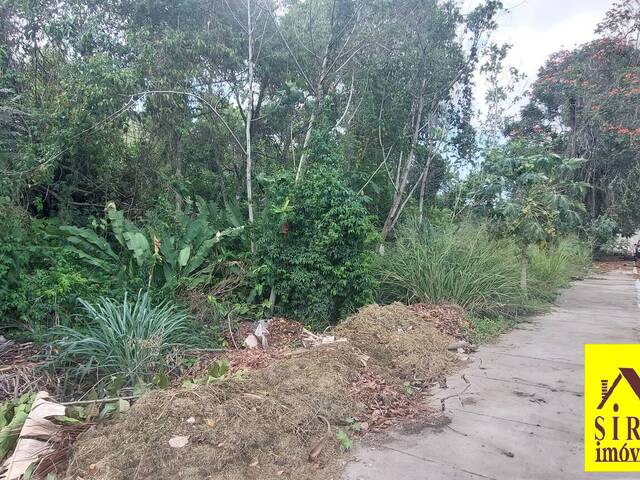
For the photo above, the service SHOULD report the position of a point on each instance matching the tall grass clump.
(131, 340)
(552, 267)
(460, 263)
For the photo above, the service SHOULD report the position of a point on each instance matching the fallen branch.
(458, 395)
(315, 451)
(100, 400)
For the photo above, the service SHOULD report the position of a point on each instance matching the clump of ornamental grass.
(131, 340)
(461, 264)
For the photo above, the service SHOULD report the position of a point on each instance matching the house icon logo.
(612, 408)
(628, 374)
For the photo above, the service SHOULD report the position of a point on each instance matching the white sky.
(538, 28)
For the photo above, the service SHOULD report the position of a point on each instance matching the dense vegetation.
(184, 164)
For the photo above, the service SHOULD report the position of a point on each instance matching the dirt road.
(521, 417)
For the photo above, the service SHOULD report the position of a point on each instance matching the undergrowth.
(487, 276)
(458, 264)
(552, 268)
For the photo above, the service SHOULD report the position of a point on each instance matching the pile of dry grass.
(20, 372)
(400, 344)
(448, 319)
(264, 423)
(261, 425)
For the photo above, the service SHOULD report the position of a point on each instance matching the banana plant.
(164, 260)
(183, 256)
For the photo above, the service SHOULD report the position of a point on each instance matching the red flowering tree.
(586, 103)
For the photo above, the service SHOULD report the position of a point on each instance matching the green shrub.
(457, 263)
(13, 251)
(133, 340)
(316, 245)
(39, 282)
(602, 235)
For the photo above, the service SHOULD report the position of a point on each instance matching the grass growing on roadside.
(552, 268)
(488, 329)
(459, 264)
(464, 264)
(123, 338)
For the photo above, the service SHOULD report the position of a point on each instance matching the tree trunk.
(248, 118)
(307, 138)
(421, 204)
(395, 210)
(177, 156)
(315, 111)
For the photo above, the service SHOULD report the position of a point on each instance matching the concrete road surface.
(522, 415)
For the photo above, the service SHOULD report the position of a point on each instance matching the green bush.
(461, 263)
(39, 282)
(602, 234)
(131, 340)
(315, 245)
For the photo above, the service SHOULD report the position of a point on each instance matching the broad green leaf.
(139, 246)
(79, 235)
(219, 368)
(184, 255)
(9, 434)
(6, 413)
(199, 257)
(28, 473)
(233, 214)
(160, 380)
(108, 410)
(64, 420)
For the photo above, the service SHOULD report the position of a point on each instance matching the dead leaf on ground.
(33, 441)
(179, 441)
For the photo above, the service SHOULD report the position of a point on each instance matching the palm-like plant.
(534, 196)
(128, 339)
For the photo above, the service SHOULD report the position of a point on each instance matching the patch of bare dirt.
(282, 332)
(610, 264)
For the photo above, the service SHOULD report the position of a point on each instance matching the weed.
(488, 329)
(344, 440)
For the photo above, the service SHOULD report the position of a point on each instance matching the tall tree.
(584, 103)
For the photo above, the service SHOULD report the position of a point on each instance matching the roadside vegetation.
(175, 173)
(138, 205)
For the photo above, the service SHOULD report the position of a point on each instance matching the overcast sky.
(537, 28)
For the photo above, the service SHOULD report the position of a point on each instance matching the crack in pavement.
(429, 460)
(529, 384)
(552, 360)
(496, 417)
